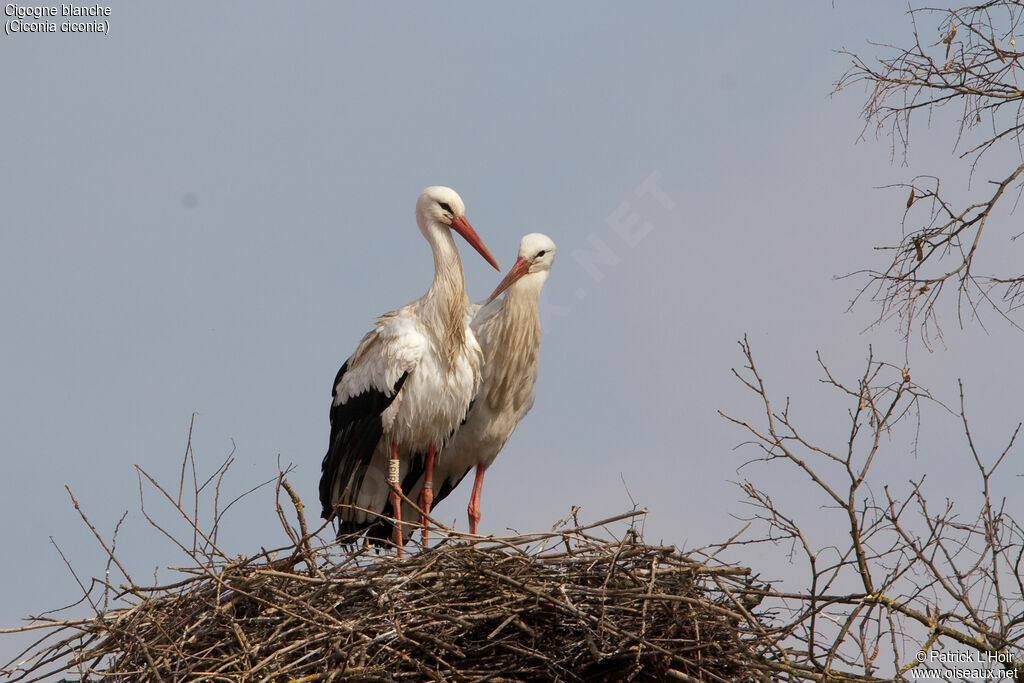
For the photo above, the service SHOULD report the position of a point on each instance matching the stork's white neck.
(513, 351)
(444, 305)
(526, 290)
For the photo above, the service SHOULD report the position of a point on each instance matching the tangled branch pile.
(563, 605)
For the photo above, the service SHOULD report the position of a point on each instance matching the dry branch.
(965, 60)
(563, 605)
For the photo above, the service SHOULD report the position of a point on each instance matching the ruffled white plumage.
(508, 331)
(431, 404)
(409, 382)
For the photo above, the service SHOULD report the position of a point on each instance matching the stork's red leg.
(427, 492)
(474, 500)
(396, 502)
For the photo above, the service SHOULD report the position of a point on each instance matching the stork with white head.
(508, 330)
(407, 387)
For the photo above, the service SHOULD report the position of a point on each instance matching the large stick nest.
(564, 605)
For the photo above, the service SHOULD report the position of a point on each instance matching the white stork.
(508, 330)
(407, 386)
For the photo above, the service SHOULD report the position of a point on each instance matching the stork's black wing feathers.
(356, 427)
(448, 485)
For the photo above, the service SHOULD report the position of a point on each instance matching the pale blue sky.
(206, 209)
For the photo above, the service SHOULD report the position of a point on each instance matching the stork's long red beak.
(462, 226)
(520, 268)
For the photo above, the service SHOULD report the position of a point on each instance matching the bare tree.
(901, 579)
(963, 61)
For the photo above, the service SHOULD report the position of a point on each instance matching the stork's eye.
(540, 253)
(444, 205)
